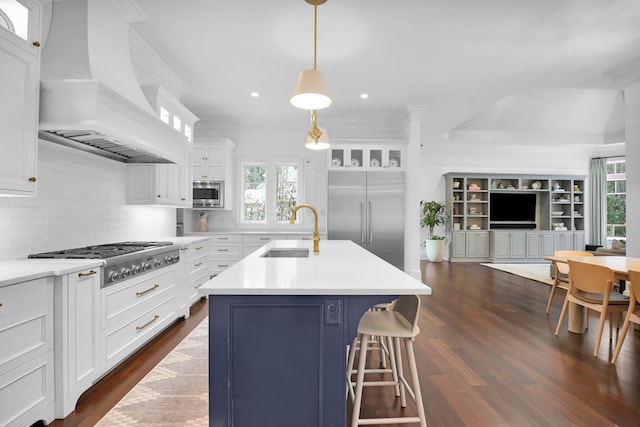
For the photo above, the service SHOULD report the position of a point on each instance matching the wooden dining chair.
(591, 286)
(562, 271)
(633, 312)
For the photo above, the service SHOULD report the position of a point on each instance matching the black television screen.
(512, 207)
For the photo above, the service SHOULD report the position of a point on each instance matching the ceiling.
(546, 67)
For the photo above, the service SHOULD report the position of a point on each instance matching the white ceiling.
(552, 67)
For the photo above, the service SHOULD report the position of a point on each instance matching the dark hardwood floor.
(487, 356)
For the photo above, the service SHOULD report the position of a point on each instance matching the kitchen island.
(279, 326)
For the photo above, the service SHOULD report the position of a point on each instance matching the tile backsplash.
(81, 201)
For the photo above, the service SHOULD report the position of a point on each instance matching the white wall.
(81, 201)
(440, 157)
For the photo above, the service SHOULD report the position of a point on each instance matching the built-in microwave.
(208, 194)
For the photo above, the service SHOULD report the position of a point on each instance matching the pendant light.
(310, 92)
(317, 138)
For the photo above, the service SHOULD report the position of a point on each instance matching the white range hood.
(90, 97)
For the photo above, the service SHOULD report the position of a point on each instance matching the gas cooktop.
(101, 251)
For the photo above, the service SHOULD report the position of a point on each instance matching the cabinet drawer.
(122, 340)
(218, 266)
(25, 295)
(229, 238)
(25, 392)
(121, 300)
(198, 281)
(197, 251)
(262, 238)
(30, 334)
(226, 251)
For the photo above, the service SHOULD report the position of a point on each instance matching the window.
(270, 190)
(164, 115)
(187, 132)
(15, 18)
(616, 198)
(177, 123)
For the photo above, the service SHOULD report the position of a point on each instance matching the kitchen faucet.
(316, 235)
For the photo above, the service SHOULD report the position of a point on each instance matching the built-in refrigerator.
(367, 207)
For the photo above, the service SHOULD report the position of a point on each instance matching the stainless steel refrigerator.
(367, 207)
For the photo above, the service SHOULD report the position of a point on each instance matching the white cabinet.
(213, 161)
(162, 185)
(477, 244)
(193, 272)
(134, 311)
(19, 89)
(224, 251)
(26, 365)
(77, 320)
(366, 157)
(508, 244)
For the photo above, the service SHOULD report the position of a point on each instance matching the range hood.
(90, 97)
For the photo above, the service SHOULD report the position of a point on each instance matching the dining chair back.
(591, 286)
(561, 271)
(633, 312)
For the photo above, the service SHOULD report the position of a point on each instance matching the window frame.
(271, 183)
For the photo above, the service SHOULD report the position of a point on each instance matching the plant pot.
(435, 249)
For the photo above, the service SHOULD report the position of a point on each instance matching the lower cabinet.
(27, 365)
(193, 272)
(133, 312)
(528, 246)
(77, 319)
(470, 245)
(224, 251)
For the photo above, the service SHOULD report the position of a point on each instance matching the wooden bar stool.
(401, 322)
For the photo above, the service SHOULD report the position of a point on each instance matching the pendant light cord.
(315, 31)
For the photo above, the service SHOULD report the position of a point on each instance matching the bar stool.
(401, 322)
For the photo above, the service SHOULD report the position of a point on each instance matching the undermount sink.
(286, 253)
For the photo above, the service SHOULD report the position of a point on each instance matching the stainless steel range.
(122, 260)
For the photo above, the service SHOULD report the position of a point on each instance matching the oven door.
(208, 194)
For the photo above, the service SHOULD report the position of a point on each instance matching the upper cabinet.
(161, 185)
(213, 161)
(19, 86)
(360, 157)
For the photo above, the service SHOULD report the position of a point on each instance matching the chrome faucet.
(316, 234)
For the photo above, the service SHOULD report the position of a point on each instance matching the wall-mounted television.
(512, 208)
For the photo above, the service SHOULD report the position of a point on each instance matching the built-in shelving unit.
(481, 205)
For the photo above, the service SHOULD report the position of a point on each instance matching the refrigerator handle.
(362, 222)
(369, 221)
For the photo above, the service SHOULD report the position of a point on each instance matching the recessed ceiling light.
(364, 95)
(255, 95)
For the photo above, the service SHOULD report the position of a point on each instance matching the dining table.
(620, 266)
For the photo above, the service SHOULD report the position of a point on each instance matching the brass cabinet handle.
(265, 238)
(33, 179)
(198, 285)
(205, 158)
(223, 250)
(199, 247)
(223, 238)
(183, 199)
(198, 264)
(184, 249)
(155, 317)
(139, 294)
(36, 43)
(223, 265)
(90, 273)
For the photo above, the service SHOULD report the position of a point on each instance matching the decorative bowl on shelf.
(536, 185)
(394, 163)
(375, 163)
(355, 162)
(556, 213)
(336, 162)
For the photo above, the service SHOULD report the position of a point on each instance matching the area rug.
(537, 272)
(174, 393)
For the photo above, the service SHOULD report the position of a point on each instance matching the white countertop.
(341, 268)
(22, 270)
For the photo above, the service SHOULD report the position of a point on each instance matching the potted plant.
(433, 214)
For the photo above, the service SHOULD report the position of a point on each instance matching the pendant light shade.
(317, 138)
(310, 92)
(318, 142)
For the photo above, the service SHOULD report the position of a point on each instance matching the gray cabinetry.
(529, 216)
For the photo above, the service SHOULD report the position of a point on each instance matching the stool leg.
(362, 359)
(352, 356)
(383, 358)
(394, 367)
(399, 370)
(413, 369)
